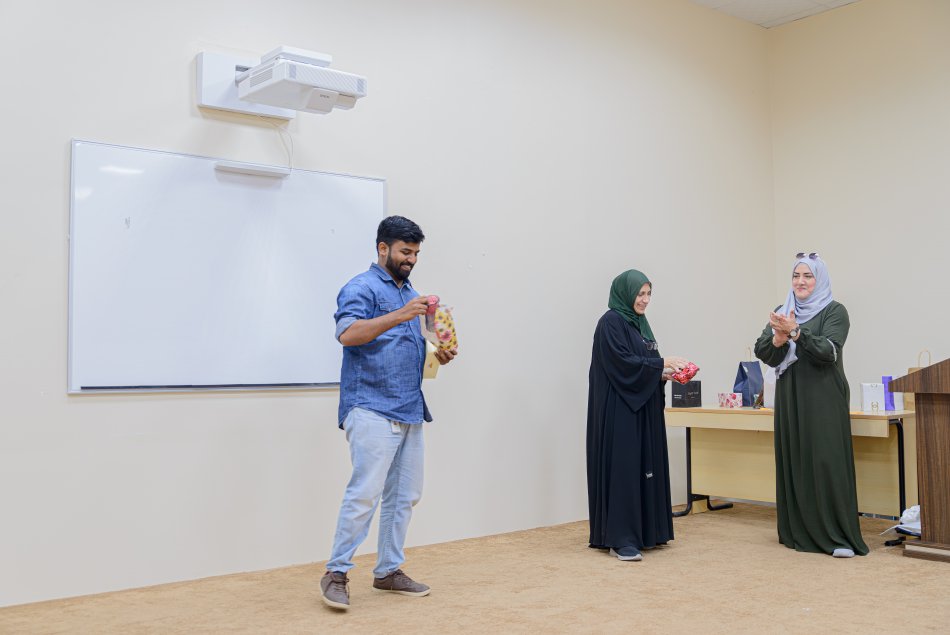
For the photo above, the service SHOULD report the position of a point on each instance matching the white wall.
(861, 136)
(543, 146)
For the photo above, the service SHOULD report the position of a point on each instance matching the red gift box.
(688, 372)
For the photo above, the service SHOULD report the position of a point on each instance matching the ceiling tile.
(758, 12)
(769, 13)
(791, 18)
(712, 4)
(833, 4)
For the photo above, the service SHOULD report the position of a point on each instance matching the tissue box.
(688, 395)
(872, 397)
(730, 400)
(898, 401)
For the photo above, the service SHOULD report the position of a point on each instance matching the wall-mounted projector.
(285, 81)
(300, 80)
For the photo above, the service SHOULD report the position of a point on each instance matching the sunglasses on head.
(811, 254)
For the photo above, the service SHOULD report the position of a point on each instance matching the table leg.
(689, 480)
(712, 507)
(690, 496)
(900, 464)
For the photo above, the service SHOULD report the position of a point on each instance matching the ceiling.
(769, 13)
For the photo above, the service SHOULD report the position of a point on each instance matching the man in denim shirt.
(381, 410)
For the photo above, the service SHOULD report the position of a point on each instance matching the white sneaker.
(627, 553)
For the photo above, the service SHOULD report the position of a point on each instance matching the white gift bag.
(431, 367)
(768, 388)
(872, 397)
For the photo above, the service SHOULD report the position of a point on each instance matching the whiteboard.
(183, 277)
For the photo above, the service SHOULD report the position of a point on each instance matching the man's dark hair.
(395, 228)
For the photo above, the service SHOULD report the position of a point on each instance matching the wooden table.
(730, 454)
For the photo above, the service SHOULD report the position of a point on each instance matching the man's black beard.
(396, 271)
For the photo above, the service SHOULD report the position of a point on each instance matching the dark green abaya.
(816, 497)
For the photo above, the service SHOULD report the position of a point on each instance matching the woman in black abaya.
(628, 482)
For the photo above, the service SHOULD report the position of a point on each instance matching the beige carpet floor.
(724, 573)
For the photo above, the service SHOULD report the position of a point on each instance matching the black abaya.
(628, 481)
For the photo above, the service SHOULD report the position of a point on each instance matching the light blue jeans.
(387, 459)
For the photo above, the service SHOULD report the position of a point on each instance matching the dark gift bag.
(688, 395)
(749, 382)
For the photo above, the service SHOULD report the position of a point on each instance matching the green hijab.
(623, 291)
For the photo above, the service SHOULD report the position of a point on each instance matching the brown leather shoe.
(399, 582)
(335, 590)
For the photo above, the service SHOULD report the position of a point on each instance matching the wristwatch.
(794, 333)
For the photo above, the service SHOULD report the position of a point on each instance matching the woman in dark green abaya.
(815, 494)
(628, 482)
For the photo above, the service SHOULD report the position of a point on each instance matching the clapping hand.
(782, 323)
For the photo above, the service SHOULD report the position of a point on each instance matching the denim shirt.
(385, 374)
